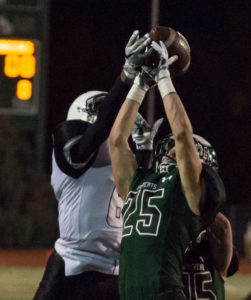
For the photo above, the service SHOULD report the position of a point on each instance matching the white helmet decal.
(84, 108)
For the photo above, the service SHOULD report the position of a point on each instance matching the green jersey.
(200, 277)
(158, 225)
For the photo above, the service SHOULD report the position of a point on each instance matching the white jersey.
(90, 220)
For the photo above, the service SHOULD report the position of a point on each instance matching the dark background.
(86, 51)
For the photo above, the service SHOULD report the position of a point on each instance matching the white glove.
(135, 54)
(143, 80)
(143, 134)
(141, 85)
(164, 62)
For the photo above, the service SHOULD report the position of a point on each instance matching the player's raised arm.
(108, 109)
(187, 158)
(123, 160)
(91, 115)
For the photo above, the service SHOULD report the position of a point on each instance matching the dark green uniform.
(158, 226)
(200, 277)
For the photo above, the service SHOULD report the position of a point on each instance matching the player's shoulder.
(215, 193)
(65, 136)
(66, 130)
(214, 183)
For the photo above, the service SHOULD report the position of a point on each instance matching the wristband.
(136, 94)
(166, 86)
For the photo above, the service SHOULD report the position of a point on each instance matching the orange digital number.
(23, 66)
(24, 89)
(11, 65)
(27, 66)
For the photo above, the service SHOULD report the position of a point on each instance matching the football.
(176, 44)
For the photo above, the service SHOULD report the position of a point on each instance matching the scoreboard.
(24, 29)
(19, 76)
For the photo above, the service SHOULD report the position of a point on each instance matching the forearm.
(123, 168)
(99, 131)
(177, 117)
(187, 158)
(123, 161)
(110, 107)
(221, 244)
(124, 123)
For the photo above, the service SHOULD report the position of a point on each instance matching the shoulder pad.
(63, 134)
(215, 194)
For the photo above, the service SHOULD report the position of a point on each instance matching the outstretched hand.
(136, 54)
(162, 70)
(164, 62)
(143, 134)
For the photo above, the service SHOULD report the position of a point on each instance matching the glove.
(164, 62)
(135, 54)
(143, 80)
(143, 134)
(139, 88)
(162, 70)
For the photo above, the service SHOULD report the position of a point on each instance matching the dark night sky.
(86, 51)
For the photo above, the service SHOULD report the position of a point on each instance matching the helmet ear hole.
(85, 107)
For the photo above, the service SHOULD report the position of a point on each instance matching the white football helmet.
(85, 106)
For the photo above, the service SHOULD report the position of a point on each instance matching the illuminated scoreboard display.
(19, 76)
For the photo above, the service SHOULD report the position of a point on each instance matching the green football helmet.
(206, 152)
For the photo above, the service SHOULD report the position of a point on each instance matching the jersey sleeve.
(76, 142)
(215, 194)
(98, 132)
(65, 136)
